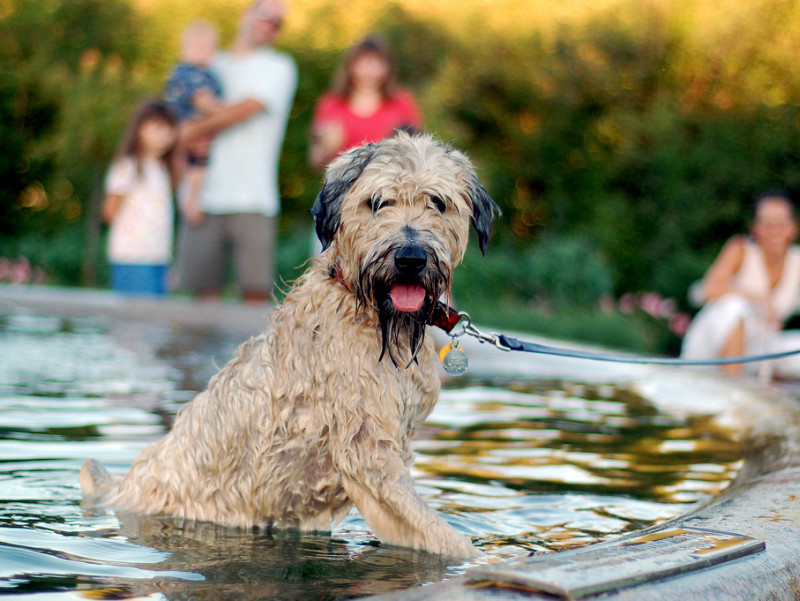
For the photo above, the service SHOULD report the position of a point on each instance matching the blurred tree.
(68, 86)
(641, 128)
(588, 130)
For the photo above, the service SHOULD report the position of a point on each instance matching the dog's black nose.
(410, 260)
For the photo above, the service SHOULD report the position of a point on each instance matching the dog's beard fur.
(395, 324)
(401, 328)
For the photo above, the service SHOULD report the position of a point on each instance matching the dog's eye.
(376, 204)
(438, 204)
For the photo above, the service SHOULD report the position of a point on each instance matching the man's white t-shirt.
(242, 173)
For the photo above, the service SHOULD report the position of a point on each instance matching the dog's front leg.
(380, 485)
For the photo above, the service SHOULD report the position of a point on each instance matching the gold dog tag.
(454, 359)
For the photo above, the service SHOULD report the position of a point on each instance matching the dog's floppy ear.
(339, 178)
(483, 211)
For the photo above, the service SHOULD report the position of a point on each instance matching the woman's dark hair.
(778, 193)
(372, 44)
(153, 109)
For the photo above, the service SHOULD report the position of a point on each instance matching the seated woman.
(749, 291)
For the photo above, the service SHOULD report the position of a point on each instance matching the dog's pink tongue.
(407, 298)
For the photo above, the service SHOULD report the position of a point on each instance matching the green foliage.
(555, 271)
(593, 132)
(296, 248)
(622, 140)
(55, 32)
(70, 87)
(60, 257)
(564, 270)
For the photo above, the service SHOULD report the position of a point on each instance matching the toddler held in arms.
(191, 91)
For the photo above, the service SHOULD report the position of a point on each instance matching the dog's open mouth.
(403, 310)
(407, 298)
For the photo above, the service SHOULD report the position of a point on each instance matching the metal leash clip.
(467, 327)
(454, 359)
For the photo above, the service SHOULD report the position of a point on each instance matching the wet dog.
(318, 412)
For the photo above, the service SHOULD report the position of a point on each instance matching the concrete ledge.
(239, 318)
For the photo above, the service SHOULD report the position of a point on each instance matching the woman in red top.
(364, 104)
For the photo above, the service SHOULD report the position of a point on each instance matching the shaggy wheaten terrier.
(318, 412)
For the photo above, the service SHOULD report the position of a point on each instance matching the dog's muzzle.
(407, 295)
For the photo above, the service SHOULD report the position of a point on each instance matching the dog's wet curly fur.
(317, 413)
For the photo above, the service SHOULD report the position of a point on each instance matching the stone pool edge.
(233, 317)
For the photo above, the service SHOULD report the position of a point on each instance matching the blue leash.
(512, 344)
(507, 343)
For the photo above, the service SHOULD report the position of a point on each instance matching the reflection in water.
(235, 564)
(538, 444)
(519, 466)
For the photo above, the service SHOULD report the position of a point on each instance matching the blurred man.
(239, 202)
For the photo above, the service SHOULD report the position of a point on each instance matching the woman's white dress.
(713, 325)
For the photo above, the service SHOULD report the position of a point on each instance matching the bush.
(564, 270)
(622, 142)
(556, 271)
(294, 249)
(60, 258)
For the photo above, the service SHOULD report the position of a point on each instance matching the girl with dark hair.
(138, 203)
(363, 105)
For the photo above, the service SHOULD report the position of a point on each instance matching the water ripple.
(519, 466)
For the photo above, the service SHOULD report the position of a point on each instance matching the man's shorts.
(203, 252)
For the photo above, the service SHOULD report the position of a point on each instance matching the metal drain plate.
(617, 564)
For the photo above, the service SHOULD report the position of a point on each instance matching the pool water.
(520, 466)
